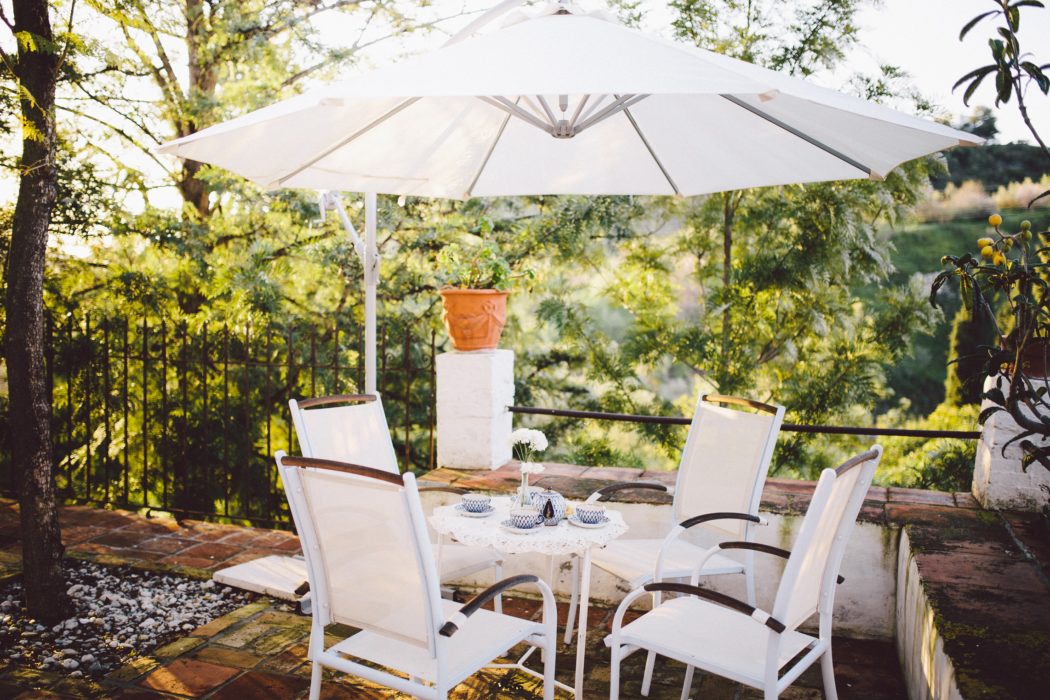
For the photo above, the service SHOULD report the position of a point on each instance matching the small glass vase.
(524, 498)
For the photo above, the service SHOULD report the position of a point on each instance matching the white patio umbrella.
(560, 102)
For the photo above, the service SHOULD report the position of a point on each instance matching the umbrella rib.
(652, 153)
(513, 108)
(800, 134)
(488, 154)
(363, 130)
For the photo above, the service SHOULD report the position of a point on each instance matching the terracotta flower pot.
(1035, 358)
(474, 317)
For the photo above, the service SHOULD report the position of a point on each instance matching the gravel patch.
(120, 613)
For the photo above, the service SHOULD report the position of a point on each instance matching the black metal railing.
(788, 427)
(150, 414)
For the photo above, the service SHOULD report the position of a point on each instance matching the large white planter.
(998, 480)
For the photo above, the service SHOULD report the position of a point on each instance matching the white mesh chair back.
(350, 428)
(725, 461)
(809, 579)
(366, 548)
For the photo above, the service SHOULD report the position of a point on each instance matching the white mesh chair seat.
(484, 636)
(711, 637)
(635, 560)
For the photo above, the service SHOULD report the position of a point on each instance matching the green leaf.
(973, 22)
(973, 88)
(1004, 87)
(979, 73)
(938, 282)
(997, 49)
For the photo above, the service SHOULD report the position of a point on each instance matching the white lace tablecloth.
(563, 538)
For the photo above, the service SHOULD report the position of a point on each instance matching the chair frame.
(773, 683)
(751, 516)
(299, 406)
(442, 630)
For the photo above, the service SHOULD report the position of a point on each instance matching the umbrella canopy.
(565, 103)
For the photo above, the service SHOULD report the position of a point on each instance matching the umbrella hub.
(575, 113)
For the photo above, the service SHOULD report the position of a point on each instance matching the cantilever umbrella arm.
(368, 253)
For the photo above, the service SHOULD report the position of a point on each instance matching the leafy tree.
(34, 69)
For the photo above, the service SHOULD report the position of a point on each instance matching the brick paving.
(989, 584)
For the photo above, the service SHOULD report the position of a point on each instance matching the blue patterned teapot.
(540, 499)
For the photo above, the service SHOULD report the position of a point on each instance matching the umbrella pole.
(371, 280)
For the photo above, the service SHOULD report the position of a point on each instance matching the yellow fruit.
(995, 220)
(1009, 243)
(982, 242)
(1026, 225)
(987, 252)
(1026, 235)
(998, 259)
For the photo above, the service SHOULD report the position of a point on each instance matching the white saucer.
(518, 530)
(471, 514)
(579, 523)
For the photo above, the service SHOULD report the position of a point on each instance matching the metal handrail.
(789, 427)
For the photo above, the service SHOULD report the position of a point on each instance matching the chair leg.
(687, 686)
(647, 677)
(827, 671)
(614, 674)
(574, 599)
(315, 681)
(497, 604)
(550, 646)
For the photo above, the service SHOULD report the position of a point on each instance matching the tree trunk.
(202, 83)
(30, 402)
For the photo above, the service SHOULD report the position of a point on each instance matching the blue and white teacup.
(524, 518)
(476, 502)
(590, 513)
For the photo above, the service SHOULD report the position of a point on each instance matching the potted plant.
(1007, 285)
(474, 286)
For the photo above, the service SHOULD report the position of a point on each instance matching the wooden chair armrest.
(720, 599)
(456, 621)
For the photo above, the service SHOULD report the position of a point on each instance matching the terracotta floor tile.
(188, 677)
(259, 685)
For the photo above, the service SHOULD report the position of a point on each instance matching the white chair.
(722, 635)
(719, 487)
(353, 428)
(370, 565)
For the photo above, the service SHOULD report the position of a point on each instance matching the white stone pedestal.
(998, 480)
(474, 390)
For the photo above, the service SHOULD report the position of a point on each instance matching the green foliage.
(963, 384)
(940, 464)
(478, 267)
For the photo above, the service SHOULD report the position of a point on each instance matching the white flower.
(532, 468)
(539, 441)
(530, 439)
(521, 436)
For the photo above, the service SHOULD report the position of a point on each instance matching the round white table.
(563, 539)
